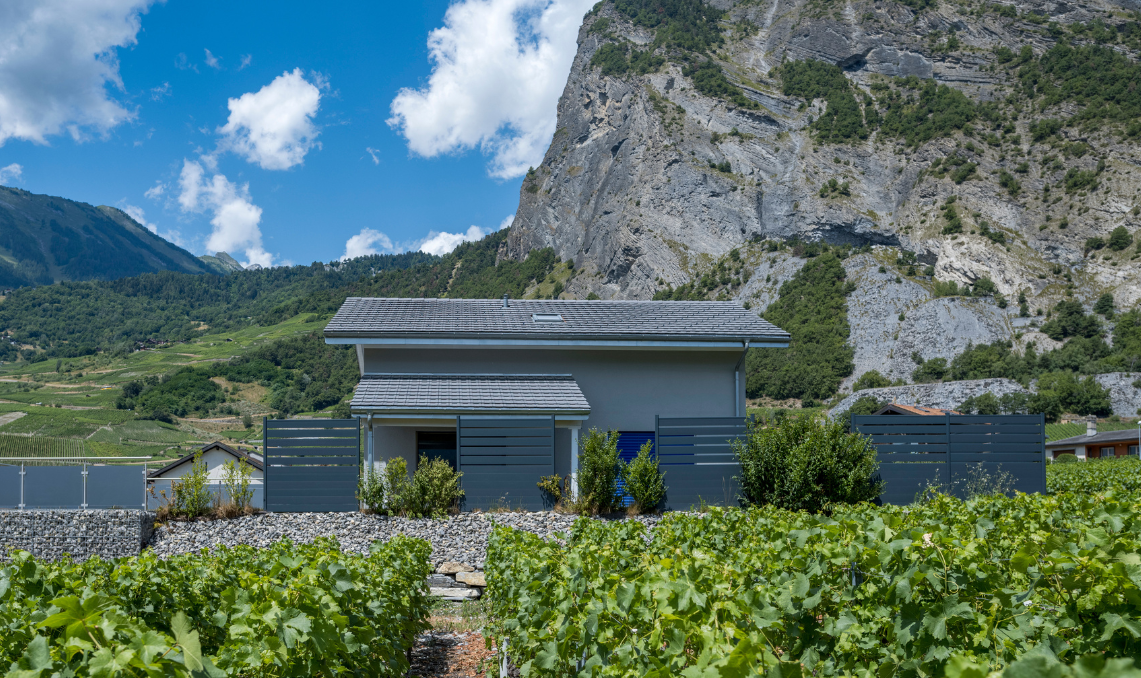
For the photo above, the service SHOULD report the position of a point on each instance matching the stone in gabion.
(51, 535)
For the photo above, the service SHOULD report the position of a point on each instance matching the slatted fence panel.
(697, 457)
(912, 451)
(503, 458)
(1014, 444)
(915, 450)
(311, 465)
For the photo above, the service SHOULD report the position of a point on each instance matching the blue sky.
(281, 133)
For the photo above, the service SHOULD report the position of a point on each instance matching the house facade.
(1094, 445)
(454, 378)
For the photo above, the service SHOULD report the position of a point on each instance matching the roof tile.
(487, 318)
(417, 393)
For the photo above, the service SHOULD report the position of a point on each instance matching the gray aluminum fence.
(503, 458)
(311, 465)
(914, 450)
(81, 486)
(697, 457)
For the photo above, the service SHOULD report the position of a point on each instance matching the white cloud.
(235, 218)
(183, 64)
(157, 93)
(11, 174)
(498, 69)
(212, 61)
(273, 127)
(246, 59)
(367, 242)
(57, 58)
(374, 153)
(441, 243)
(506, 222)
(155, 192)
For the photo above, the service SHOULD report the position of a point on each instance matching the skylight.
(546, 317)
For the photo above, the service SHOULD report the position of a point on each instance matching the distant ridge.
(46, 239)
(221, 263)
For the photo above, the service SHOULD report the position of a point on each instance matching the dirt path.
(445, 654)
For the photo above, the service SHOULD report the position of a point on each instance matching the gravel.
(80, 534)
(461, 538)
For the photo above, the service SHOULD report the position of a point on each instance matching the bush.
(930, 371)
(236, 479)
(436, 488)
(871, 379)
(644, 480)
(1104, 305)
(370, 491)
(1066, 459)
(807, 463)
(1119, 239)
(598, 472)
(192, 498)
(397, 488)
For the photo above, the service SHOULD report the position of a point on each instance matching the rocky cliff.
(667, 156)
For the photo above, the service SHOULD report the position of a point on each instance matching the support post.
(84, 474)
(145, 485)
(370, 447)
(22, 472)
(574, 462)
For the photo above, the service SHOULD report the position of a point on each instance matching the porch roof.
(469, 393)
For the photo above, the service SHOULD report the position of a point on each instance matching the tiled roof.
(487, 318)
(915, 409)
(430, 393)
(1129, 434)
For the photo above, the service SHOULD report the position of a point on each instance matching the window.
(436, 445)
(546, 317)
(1133, 451)
(1107, 452)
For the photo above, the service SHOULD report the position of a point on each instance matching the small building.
(216, 455)
(453, 378)
(1094, 445)
(896, 408)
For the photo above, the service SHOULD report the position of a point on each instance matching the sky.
(279, 133)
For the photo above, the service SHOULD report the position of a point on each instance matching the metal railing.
(58, 487)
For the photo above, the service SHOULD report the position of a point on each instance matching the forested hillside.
(46, 239)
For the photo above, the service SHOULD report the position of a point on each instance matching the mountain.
(46, 239)
(701, 149)
(221, 263)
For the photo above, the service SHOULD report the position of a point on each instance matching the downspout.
(370, 446)
(737, 380)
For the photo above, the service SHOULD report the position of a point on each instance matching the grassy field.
(71, 412)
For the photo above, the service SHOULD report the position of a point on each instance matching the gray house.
(502, 388)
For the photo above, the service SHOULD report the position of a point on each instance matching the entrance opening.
(436, 445)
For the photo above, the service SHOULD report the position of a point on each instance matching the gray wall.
(80, 534)
(625, 388)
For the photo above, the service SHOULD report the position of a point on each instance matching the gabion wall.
(80, 534)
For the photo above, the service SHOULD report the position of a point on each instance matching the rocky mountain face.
(1016, 165)
(46, 239)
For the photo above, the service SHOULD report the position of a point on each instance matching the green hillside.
(45, 239)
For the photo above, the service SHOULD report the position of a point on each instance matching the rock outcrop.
(634, 187)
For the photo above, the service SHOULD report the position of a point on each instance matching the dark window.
(436, 445)
(629, 442)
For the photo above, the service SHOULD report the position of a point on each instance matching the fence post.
(264, 463)
(947, 418)
(21, 486)
(84, 474)
(144, 486)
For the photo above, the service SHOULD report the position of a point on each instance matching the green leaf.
(188, 641)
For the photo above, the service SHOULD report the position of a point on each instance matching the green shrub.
(192, 497)
(807, 463)
(1067, 459)
(598, 472)
(398, 497)
(930, 371)
(370, 491)
(644, 480)
(1119, 239)
(236, 476)
(552, 486)
(1104, 305)
(871, 379)
(436, 488)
